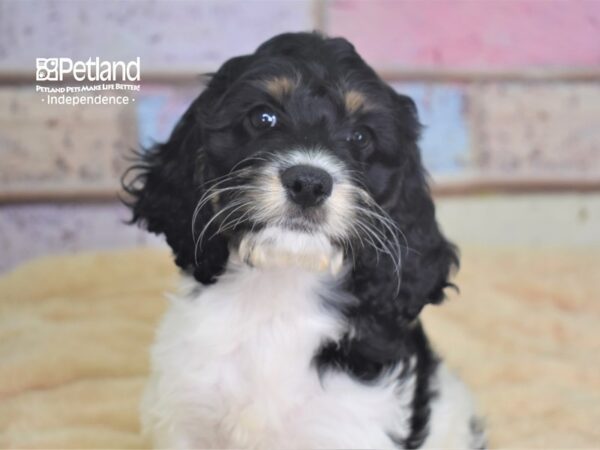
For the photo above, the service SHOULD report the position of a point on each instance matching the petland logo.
(57, 69)
(105, 82)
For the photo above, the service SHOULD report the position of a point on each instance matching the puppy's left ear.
(427, 258)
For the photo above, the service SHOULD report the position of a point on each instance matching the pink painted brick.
(166, 35)
(471, 34)
(53, 147)
(529, 129)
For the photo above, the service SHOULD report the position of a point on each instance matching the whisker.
(201, 235)
(368, 236)
(214, 190)
(224, 225)
(210, 195)
(395, 226)
(381, 232)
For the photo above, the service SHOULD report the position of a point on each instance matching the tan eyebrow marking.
(280, 87)
(355, 101)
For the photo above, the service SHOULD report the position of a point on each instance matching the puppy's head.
(299, 155)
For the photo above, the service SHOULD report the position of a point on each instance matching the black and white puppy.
(293, 196)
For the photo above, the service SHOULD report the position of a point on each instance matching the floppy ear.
(167, 183)
(430, 259)
(385, 310)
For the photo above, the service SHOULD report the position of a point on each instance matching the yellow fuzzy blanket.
(75, 330)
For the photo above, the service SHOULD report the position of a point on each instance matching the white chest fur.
(232, 368)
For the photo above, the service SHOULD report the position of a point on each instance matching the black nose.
(307, 185)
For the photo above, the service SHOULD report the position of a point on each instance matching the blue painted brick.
(445, 138)
(158, 110)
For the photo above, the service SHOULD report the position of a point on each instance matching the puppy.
(294, 199)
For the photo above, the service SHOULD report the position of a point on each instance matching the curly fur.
(380, 331)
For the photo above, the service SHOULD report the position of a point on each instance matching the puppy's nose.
(307, 185)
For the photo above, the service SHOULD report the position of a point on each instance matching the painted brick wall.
(488, 34)
(168, 36)
(191, 34)
(47, 148)
(544, 128)
(506, 89)
(474, 128)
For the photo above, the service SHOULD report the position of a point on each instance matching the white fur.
(273, 247)
(271, 205)
(451, 414)
(232, 363)
(232, 369)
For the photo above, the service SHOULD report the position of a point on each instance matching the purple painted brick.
(29, 231)
(166, 35)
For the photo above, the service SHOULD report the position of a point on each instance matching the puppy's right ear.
(166, 183)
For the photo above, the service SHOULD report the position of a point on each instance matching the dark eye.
(262, 118)
(360, 136)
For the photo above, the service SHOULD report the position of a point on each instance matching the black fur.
(212, 137)
(427, 364)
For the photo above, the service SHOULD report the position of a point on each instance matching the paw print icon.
(46, 69)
